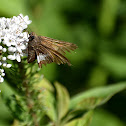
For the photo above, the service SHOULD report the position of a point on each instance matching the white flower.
(18, 57)
(13, 40)
(1, 75)
(4, 58)
(4, 49)
(4, 64)
(1, 47)
(9, 65)
(12, 49)
(1, 80)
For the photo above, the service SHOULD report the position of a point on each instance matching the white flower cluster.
(13, 40)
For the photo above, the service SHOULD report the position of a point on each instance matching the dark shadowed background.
(98, 27)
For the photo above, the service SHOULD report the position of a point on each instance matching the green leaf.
(84, 121)
(62, 100)
(44, 83)
(49, 104)
(48, 97)
(91, 102)
(97, 96)
(104, 118)
(72, 115)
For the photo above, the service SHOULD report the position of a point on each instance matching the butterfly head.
(32, 36)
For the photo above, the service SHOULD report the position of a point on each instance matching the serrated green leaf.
(84, 121)
(96, 96)
(62, 100)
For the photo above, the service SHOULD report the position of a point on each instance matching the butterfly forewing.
(57, 45)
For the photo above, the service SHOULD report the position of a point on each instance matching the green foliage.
(95, 97)
(40, 103)
(62, 100)
(75, 112)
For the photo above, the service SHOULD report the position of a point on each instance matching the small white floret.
(4, 64)
(1, 79)
(1, 47)
(4, 58)
(3, 74)
(8, 65)
(4, 49)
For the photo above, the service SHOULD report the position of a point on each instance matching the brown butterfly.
(47, 50)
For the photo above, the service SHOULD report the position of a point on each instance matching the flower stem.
(28, 93)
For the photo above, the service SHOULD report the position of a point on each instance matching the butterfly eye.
(31, 38)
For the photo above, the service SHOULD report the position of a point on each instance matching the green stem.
(27, 92)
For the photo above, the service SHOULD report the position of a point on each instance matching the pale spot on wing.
(41, 57)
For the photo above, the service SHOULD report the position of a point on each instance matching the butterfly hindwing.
(47, 55)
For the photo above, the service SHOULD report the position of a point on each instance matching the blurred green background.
(98, 27)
